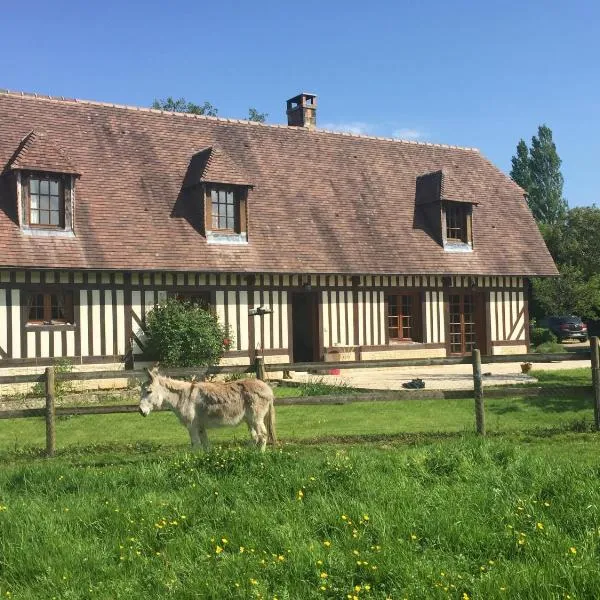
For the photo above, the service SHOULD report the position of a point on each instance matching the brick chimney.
(302, 111)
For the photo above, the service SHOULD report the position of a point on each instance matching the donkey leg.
(194, 435)
(253, 433)
(203, 438)
(262, 435)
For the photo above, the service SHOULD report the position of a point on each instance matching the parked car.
(566, 327)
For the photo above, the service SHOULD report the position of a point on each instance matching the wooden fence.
(50, 377)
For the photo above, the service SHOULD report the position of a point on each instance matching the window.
(462, 323)
(404, 317)
(458, 222)
(45, 201)
(54, 308)
(226, 211)
(223, 209)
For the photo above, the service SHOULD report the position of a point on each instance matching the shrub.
(549, 348)
(541, 335)
(183, 334)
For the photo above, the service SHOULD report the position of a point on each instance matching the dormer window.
(45, 182)
(217, 183)
(458, 222)
(45, 200)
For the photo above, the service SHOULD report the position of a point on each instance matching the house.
(358, 247)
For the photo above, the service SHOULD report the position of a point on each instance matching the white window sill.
(40, 232)
(232, 239)
(458, 247)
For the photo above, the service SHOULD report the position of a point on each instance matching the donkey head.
(152, 393)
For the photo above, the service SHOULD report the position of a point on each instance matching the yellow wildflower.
(327, 543)
(413, 536)
(365, 517)
(324, 575)
(253, 581)
(242, 549)
(218, 550)
(539, 525)
(573, 550)
(357, 588)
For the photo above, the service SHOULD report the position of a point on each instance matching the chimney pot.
(302, 111)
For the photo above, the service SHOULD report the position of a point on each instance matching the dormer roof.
(451, 185)
(214, 165)
(37, 152)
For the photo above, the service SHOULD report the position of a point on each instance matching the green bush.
(549, 348)
(183, 334)
(541, 335)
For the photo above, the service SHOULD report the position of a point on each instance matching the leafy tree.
(537, 171)
(254, 115)
(571, 293)
(520, 166)
(183, 334)
(181, 105)
(171, 104)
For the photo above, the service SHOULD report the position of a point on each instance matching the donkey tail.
(270, 423)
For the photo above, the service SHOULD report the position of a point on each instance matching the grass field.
(423, 510)
(462, 518)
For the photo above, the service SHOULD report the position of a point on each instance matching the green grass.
(486, 518)
(563, 378)
(309, 422)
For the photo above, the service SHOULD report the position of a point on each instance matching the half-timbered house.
(360, 247)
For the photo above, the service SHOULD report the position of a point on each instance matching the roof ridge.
(47, 97)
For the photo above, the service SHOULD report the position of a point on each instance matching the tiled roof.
(213, 165)
(38, 153)
(321, 202)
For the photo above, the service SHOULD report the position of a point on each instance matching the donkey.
(200, 405)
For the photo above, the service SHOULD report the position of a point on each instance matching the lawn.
(460, 518)
(320, 422)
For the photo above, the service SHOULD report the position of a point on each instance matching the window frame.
(26, 191)
(460, 215)
(416, 333)
(239, 208)
(47, 322)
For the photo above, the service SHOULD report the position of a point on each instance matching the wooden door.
(467, 325)
(305, 327)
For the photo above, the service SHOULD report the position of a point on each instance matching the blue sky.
(477, 73)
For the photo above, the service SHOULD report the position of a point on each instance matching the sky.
(471, 73)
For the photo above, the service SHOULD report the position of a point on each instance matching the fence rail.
(50, 377)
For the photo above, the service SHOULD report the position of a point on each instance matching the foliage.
(318, 387)
(254, 115)
(541, 335)
(574, 241)
(183, 334)
(483, 518)
(61, 388)
(182, 105)
(537, 171)
(549, 348)
(572, 293)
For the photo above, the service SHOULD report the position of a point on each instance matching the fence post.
(478, 388)
(50, 414)
(595, 354)
(259, 366)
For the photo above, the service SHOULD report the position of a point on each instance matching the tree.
(170, 104)
(520, 166)
(183, 334)
(181, 105)
(254, 115)
(570, 294)
(537, 171)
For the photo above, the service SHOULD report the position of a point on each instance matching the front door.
(305, 327)
(467, 327)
